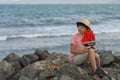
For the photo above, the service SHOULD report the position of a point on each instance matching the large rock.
(106, 57)
(50, 72)
(23, 62)
(16, 65)
(6, 70)
(20, 77)
(30, 58)
(27, 59)
(42, 65)
(11, 57)
(55, 66)
(42, 54)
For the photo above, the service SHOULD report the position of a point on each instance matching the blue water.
(55, 20)
(26, 27)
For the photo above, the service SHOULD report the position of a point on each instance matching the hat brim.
(81, 23)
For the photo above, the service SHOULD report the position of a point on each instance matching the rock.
(42, 54)
(23, 78)
(51, 57)
(71, 71)
(58, 58)
(106, 57)
(117, 59)
(55, 66)
(32, 73)
(16, 65)
(38, 73)
(82, 71)
(113, 72)
(62, 57)
(43, 70)
(30, 58)
(42, 65)
(23, 62)
(113, 78)
(105, 78)
(16, 76)
(96, 77)
(11, 57)
(65, 77)
(45, 74)
(118, 76)
(6, 70)
(27, 59)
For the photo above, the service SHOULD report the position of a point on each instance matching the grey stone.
(118, 76)
(31, 73)
(16, 76)
(23, 62)
(11, 57)
(82, 71)
(16, 65)
(6, 70)
(23, 78)
(45, 66)
(65, 77)
(42, 54)
(105, 78)
(96, 77)
(30, 58)
(106, 57)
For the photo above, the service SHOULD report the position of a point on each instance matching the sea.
(27, 27)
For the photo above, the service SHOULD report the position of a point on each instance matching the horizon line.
(61, 3)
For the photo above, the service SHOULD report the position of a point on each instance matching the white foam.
(33, 36)
(3, 38)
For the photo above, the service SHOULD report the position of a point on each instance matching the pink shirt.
(76, 41)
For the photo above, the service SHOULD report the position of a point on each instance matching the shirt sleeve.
(73, 40)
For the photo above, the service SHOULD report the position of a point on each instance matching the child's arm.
(90, 43)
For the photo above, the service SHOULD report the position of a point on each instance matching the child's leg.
(92, 59)
(97, 59)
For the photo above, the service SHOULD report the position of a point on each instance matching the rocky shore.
(42, 65)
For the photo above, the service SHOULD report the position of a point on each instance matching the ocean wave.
(32, 36)
(49, 35)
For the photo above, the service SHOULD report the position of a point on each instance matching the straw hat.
(85, 22)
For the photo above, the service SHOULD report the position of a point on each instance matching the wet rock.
(42, 54)
(6, 70)
(30, 58)
(11, 57)
(106, 57)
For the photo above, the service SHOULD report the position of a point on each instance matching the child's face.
(81, 29)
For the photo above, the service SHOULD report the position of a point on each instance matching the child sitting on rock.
(82, 47)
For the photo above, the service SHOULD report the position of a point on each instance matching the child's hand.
(88, 47)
